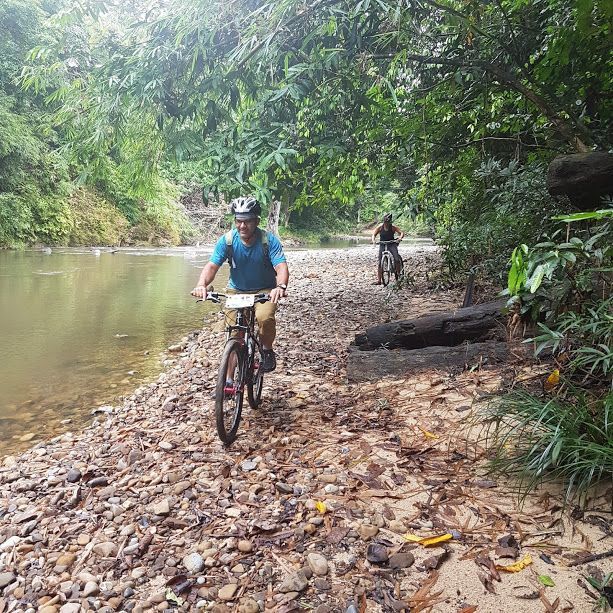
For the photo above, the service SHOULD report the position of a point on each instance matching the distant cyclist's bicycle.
(388, 266)
(240, 364)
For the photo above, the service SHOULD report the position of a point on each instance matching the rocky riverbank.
(328, 500)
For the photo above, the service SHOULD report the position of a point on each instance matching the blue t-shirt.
(251, 270)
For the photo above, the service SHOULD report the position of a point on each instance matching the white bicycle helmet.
(245, 207)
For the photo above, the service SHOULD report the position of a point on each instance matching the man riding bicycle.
(387, 232)
(257, 264)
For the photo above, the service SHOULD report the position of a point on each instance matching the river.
(79, 328)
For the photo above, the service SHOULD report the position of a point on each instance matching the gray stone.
(318, 564)
(6, 578)
(248, 465)
(247, 605)
(244, 546)
(295, 582)
(193, 562)
(401, 560)
(90, 589)
(367, 531)
(397, 526)
(284, 488)
(74, 475)
(105, 550)
(160, 508)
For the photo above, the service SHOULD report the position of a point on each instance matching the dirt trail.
(318, 503)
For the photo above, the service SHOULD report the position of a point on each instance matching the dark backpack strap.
(229, 249)
(266, 247)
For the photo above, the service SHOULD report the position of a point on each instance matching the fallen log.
(373, 365)
(476, 323)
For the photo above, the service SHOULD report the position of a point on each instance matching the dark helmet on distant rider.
(245, 207)
(387, 218)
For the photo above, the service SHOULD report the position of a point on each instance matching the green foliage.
(535, 438)
(162, 223)
(572, 274)
(316, 104)
(565, 287)
(584, 339)
(94, 221)
(490, 213)
(604, 586)
(33, 182)
(567, 283)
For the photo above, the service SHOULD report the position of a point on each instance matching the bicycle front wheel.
(386, 267)
(229, 391)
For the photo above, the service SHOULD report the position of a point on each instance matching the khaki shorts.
(264, 315)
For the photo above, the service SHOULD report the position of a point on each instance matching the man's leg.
(265, 316)
(394, 250)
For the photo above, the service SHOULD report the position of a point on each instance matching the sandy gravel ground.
(327, 501)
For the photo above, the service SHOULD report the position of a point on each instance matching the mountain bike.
(388, 266)
(240, 364)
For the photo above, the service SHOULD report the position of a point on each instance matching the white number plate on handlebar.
(240, 301)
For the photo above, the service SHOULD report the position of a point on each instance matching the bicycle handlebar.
(396, 240)
(217, 296)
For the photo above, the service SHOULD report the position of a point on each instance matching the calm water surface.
(78, 330)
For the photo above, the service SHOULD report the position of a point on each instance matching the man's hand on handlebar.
(199, 292)
(276, 294)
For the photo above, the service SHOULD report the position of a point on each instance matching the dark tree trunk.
(475, 323)
(584, 177)
(273, 217)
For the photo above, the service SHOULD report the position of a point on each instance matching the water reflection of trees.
(58, 331)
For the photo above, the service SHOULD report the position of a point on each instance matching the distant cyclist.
(257, 264)
(387, 232)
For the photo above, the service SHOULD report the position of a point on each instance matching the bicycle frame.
(245, 326)
(387, 262)
(238, 368)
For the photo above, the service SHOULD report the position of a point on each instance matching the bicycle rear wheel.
(229, 399)
(386, 267)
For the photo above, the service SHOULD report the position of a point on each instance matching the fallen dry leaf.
(426, 433)
(515, 568)
(428, 541)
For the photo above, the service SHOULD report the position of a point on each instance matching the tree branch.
(561, 125)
